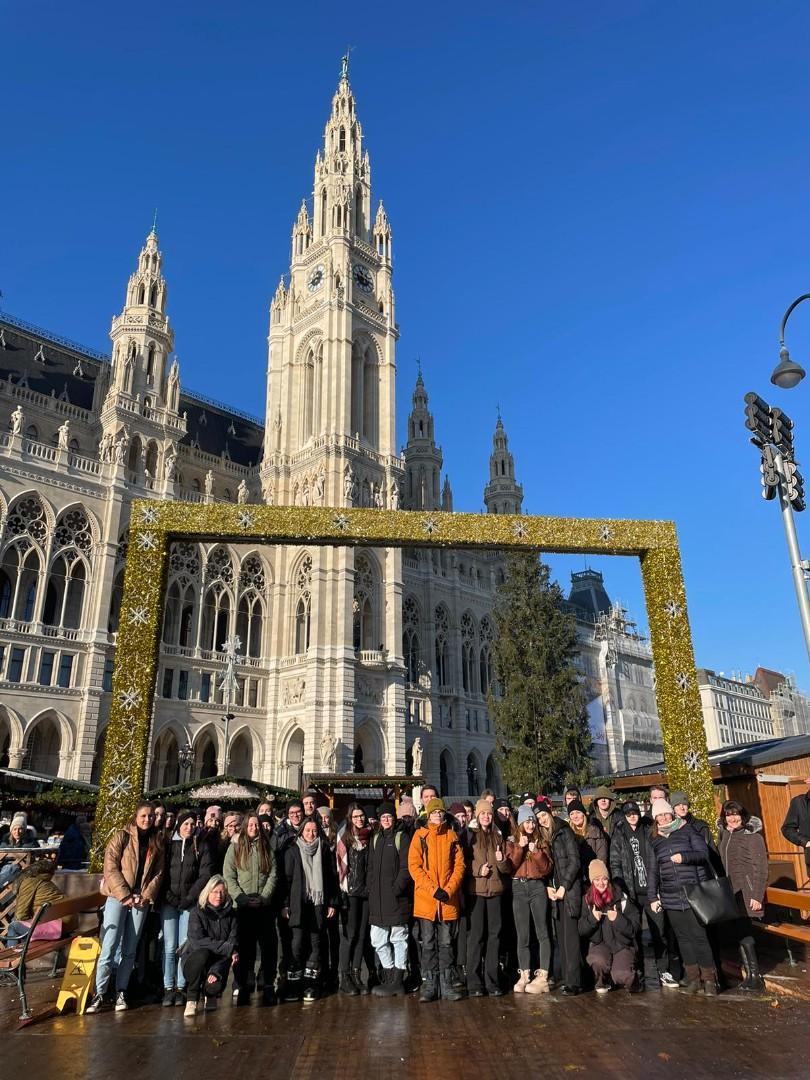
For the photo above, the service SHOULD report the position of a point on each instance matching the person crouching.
(609, 922)
(209, 951)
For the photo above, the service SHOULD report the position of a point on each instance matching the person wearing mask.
(530, 863)
(188, 868)
(564, 892)
(603, 809)
(251, 875)
(210, 950)
(436, 864)
(458, 812)
(745, 860)
(609, 923)
(351, 853)
(679, 859)
(488, 866)
(680, 807)
(134, 861)
(502, 818)
(629, 858)
(591, 839)
(310, 899)
(389, 900)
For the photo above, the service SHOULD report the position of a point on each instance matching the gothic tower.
(503, 494)
(423, 458)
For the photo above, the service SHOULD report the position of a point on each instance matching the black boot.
(750, 963)
(692, 976)
(357, 979)
(347, 985)
(430, 987)
(292, 988)
(449, 992)
(311, 988)
(384, 987)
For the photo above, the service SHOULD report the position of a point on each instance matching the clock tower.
(330, 441)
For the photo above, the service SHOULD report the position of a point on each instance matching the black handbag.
(712, 901)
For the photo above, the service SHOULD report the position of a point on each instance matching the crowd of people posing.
(466, 900)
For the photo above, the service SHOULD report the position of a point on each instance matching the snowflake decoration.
(606, 533)
(520, 531)
(129, 698)
(340, 521)
(692, 760)
(672, 609)
(137, 617)
(682, 680)
(430, 526)
(147, 541)
(149, 515)
(120, 785)
(245, 519)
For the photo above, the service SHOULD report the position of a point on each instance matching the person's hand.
(130, 900)
(560, 892)
(656, 906)
(807, 844)
(754, 904)
(484, 871)
(441, 895)
(677, 857)
(552, 892)
(612, 914)
(524, 840)
(597, 914)
(498, 855)
(330, 912)
(211, 980)
(532, 846)
(285, 913)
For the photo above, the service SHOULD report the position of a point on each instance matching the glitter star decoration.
(119, 785)
(129, 698)
(149, 515)
(147, 541)
(672, 609)
(682, 680)
(520, 531)
(138, 616)
(430, 526)
(340, 521)
(245, 519)
(692, 760)
(606, 533)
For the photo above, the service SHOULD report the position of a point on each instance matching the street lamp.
(185, 756)
(787, 372)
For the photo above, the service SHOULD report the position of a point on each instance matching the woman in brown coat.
(488, 866)
(745, 858)
(133, 871)
(531, 863)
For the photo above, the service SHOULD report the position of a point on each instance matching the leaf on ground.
(663, 1055)
(573, 1068)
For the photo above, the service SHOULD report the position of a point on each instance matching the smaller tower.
(502, 495)
(447, 495)
(423, 458)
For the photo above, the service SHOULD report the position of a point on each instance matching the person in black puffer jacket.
(609, 923)
(390, 900)
(188, 868)
(680, 858)
(311, 898)
(351, 854)
(565, 892)
(210, 948)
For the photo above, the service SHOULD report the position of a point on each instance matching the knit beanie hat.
(661, 806)
(576, 805)
(184, 815)
(19, 821)
(597, 869)
(406, 807)
(434, 804)
(678, 797)
(457, 808)
(483, 807)
(542, 802)
(499, 804)
(386, 808)
(525, 813)
(214, 810)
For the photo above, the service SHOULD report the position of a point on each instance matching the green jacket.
(245, 883)
(34, 891)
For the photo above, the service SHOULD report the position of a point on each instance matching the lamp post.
(185, 757)
(228, 685)
(787, 372)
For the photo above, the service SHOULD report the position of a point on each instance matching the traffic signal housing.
(770, 474)
(758, 419)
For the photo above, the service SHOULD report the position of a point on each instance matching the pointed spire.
(154, 225)
(503, 494)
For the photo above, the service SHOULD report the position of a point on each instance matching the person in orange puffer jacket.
(436, 864)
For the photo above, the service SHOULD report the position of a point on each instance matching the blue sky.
(599, 216)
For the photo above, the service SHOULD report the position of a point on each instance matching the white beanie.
(19, 821)
(661, 806)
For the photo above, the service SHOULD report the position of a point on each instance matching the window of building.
(46, 668)
(168, 680)
(182, 685)
(107, 677)
(65, 670)
(253, 693)
(15, 664)
(467, 719)
(205, 686)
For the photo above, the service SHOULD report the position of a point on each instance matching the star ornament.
(430, 526)
(138, 616)
(147, 541)
(149, 515)
(120, 785)
(340, 521)
(606, 533)
(129, 698)
(692, 760)
(682, 680)
(245, 519)
(520, 531)
(672, 609)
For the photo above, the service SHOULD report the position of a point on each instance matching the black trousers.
(663, 940)
(692, 938)
(353, 930)
(568, 943)
(530, 905)
(198, 965)
(437, 939)
(307, 938)
(256, 927)
(483, 940)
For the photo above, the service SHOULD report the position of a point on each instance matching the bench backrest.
(788, 898)
(63, 909)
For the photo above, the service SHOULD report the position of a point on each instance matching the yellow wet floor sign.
(79, 973)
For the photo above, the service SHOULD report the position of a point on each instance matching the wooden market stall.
(339, 789)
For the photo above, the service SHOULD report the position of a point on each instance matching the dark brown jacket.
(745, 859)
(536, 865)
(483, 845)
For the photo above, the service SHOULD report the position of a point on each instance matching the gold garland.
(154, 525)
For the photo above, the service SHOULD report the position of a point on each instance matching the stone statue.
(170, 466)
(242, 492)
(393, 498)
(305, 492)
(121, 448)
(271, 494)
(348, 485)
(329, 747)
(209, 482)
(416, 756)
(17, 418)
(378, 496)
(320, 482)
(64, 435)
(106, 448)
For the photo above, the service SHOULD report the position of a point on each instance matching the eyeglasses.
(358, 816)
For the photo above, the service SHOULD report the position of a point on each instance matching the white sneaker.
(190, 1009)
(666, 980)
(235, 991)
(120, 1002)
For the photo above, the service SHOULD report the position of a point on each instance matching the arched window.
(43, 746)
(359, 226)
(250, 613)
(308, 397)
(141, 293)
(22, 561)
(32, 432)
(411, 647)
(205, 757)
(150, 365)
(323, 212)
(342, 140)
(467, 652)
(294, 760)
(303, 608)
(165, 761)
(363, 604)
(135, 458)
(217, 606)
(240, 756)
(98, 758)
(445, 773)
(371, 379)
(473, 781)
(153, 295)
(485, 656)
(442, 651)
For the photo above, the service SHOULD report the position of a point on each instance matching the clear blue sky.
(600, 212)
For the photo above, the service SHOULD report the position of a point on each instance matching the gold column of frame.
(155, 525)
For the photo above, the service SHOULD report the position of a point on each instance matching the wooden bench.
(21, 857)
(13, 961)
(793, 900)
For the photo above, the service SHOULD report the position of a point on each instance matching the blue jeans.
(175, 932)
(122, 926)
(15, 932)
(391, 945)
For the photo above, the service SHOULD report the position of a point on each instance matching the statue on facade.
(209, 482)
(170, 467)
(379, 502)
(17, 418)
(416, 756)
(305, 492)
(393, 498)
(121, 448)
(329, 748)
(63, 435)
(271, 494)
(320, 483)
(242, 492)
(349, 485)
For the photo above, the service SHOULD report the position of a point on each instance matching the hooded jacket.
(188, 867)
(35, 888)
(668, 880)
(745, 859)
(617, 935)
(390, 889)
(436, 861)
(121, 865)
(250, 881)
(610, 820)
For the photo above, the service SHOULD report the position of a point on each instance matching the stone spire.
(502, 495)
(423, 458)
(447, 495)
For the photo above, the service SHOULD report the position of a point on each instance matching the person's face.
(231, 824)
(603, 804)
(632, 819)
(428, 793)
(485, 818)
(664, 819)
(170, 820)
(187, 828)
(436, 817)
(570, 796)
(529, 801)
(577, 818)
(387, 821)
(17, 832)
(145, 817)
(461, 818)
(733, 821)
(358, 819)
(503, 812)
(491, 800)
(216, 898)
(657, 793)
(681, 810)
(309, 805)
(252, 827)
(213, 821)
(544, 818)
(265, 808)
(601, 883)
(529, 825)
(296, 815)
(160, 816)
(310, 832)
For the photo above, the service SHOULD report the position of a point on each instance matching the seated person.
(35, 887)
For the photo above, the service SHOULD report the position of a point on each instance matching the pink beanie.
(213, 810)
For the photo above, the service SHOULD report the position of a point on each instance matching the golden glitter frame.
(156, 525)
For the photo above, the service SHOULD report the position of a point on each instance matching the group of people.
(465, 900)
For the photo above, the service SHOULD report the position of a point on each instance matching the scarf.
(313, 869)
(599, 900)
(674, 825)
(358, 842)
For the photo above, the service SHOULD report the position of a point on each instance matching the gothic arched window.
(342, 140)
(363, 604)
(411, 647)
(303, 609)
(467, 652)
(442, 650)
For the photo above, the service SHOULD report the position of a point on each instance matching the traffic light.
(770, 475)
(758, 418)
(782, 431)
(794, 486)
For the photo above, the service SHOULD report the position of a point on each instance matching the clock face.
(362, 278)
(315, 279)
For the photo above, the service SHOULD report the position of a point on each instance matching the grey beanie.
(678, 797)
(525, 813)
